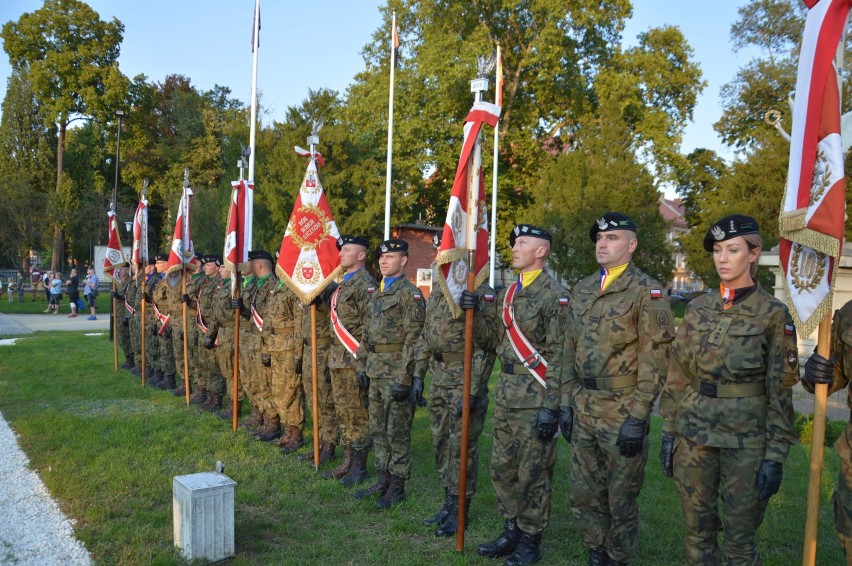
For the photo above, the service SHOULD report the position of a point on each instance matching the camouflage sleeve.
(487, 327)
(676, 379)
(569, 371)
(656, 332)
(422, 353)
(363, 298)
(413, 312)
(780, 433)
(556, 315)
(301, 324)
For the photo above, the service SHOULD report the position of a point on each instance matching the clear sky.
(317, 44)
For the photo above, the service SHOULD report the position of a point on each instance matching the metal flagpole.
(237, 286)
(253, 125)
(498, 100)
(390, 132)
(144, 265)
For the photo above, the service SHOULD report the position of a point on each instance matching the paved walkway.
(27, 323)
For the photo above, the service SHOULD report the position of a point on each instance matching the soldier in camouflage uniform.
(281, 337)
(254, 307)
(176, 299)
(836, 372)
(122, 331)
(208, 375)
(219, 339)
(134, 297)
(385, 361)
(616, 358)
(441, 351)
(153, 353)
(527, 396)
(327, 418)
(249, 337)
(350, 306)
(161, 293)
(727, 406)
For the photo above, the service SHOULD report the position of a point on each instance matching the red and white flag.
(455, 241)
(813, 211)
(308, 259)
(139, 254)
(238, 231)
(181, 251)
(114, 254)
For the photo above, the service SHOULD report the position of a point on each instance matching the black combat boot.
(442, 513)
(295, 440)
(326, 453)
(378, 488)
(394, 494)
(254, 420)
(180, 392)
(128, 362)
(526, 552)
(136, 370)
(271, 429)
(358, 470)
(598, 557)
(451, 524)
(227, 412)
(504, 544)
(214, 402)
(343, 468)
(169, 382)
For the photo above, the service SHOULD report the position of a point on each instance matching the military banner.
(308, 259)
(181, 250)
(139, 254)
(239, 228)
(455, 242)
(813, 211)
(114, 255)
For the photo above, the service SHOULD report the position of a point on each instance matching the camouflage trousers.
(122, 333)
(224, 353)
(706, 474)
(350, 404)
(208, 374)
(445, 423)
(136, 339)
(327, 419)
(605, 487)
(166, 352)
(287, 389)
(177, 347)
(521, 468)
(843, 494)
(249, 367)
(390, 429)
(152, 349)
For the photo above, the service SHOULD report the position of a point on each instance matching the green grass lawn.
(107, 449)
(37, 304)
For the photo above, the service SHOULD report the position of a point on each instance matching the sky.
(307, 45)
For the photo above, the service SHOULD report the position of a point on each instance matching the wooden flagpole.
(141, 284)
(236, 397)
(314, 384)
(185, 348)
(114, 323)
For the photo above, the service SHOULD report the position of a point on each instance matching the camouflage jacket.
(133, 293)
(259, 299)
(541, 313)
(617, 346)
(220, 312)
(841, 349)
(751, 344)
(353, 300)
(324, 332)
(123, 288)
(281, 322)
(204, 296)
(394, 323)
(249, 285)
(170, 291)
(151, 285)
(442, 334)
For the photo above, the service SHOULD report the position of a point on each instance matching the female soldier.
(727, 404)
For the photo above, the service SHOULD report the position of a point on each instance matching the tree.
(70, 56)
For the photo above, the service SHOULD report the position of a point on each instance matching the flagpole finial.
(313, 139)
(484, 66)
(186, 177)
(145, 183)
(245, 152)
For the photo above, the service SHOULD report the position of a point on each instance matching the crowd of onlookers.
(54, 288)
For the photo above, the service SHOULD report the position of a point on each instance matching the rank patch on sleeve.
(656, 294)
(788, 329)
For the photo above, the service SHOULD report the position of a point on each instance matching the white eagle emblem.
(517, 231)
(601, 223)
(718, 233)
(384, 248)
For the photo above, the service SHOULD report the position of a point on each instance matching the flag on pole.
(114, 254)
(395, 44)
(238, 228)
(139, 255)
(498, 83)
(308, 258)
(255, 27)
(181, 251)
(452, 253)
(813, 210)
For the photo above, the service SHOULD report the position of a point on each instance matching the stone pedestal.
(203, 515)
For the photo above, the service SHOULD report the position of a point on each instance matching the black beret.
(611, 221)
(260, 254)
(199, 256)
(125, 264)
(436, 239)
(528, 230)
(392, 245)
(730, 227)
(213, 258)
(350, 239)
(161, 257)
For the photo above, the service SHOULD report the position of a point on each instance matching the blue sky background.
(317, 44)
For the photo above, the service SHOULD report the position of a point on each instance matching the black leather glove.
(417, 392)
(566, 422)
(819, 370)
(117, 296)
(237, 303)
(666, 451)
(266, 360)
(768, 479)
(400, 393)
(168, 333)
(298, 367)
(184, 298)
(468, 300)
(326, 373)
(474, 404)
(631, 437)
(209, 342)
(148, 298)
(546, 422)
(363, 380)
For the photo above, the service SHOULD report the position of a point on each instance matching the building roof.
(672, 211)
